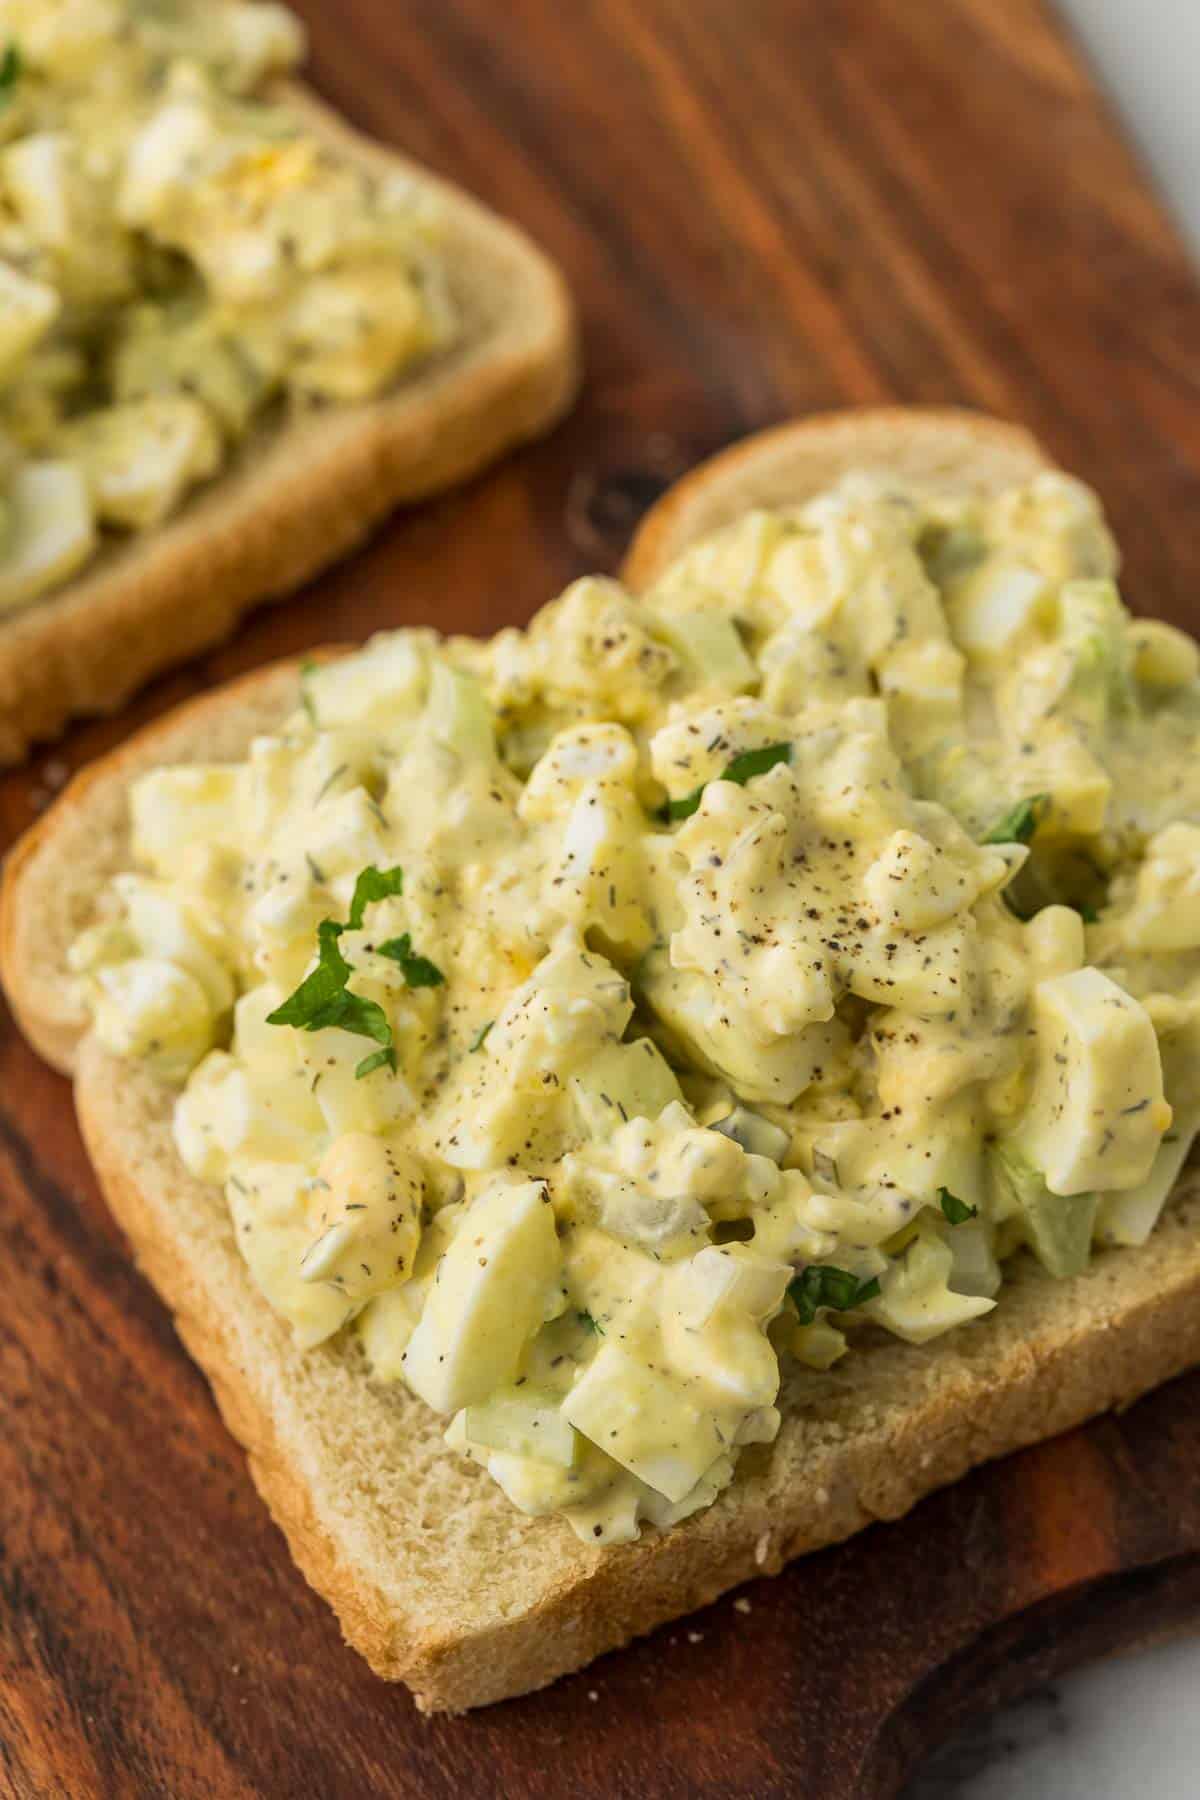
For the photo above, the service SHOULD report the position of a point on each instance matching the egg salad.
(177, 256)
(608, 1021)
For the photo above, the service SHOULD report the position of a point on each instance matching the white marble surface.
(1147, 54)
(1124, 1728)
(1132, 1726)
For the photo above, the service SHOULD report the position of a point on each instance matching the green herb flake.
(480, 1038)
(323, 999)
(373, 884)
(319, 990)
(308, 669)
(11, 65)
(1019, 823)
(821, 1285)
(418, 971)
(590, 1324)
(956, 1210)
(742, 769)
(750, 763)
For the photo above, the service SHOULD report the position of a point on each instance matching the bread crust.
(789, 463)
(303, 492)
(505, 1603)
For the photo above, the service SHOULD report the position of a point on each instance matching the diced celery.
(523, 1422)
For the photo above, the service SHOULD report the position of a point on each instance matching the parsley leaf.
(956, 1210)
(750, 763)
(419, 972)
(480, 1038)
(373, 884)
(323, 998)
(320, 989)
(350, 1012)
(821, 1285)
(1019, 823)
(586, 1320)
(11, 64)
(742, 769)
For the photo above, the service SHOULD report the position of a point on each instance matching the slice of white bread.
(305, 489)
(435, 1577)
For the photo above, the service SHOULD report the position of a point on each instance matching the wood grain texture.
(765, 208)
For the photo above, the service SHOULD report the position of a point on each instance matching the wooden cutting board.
(766, 207)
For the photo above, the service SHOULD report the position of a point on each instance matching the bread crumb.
(741, 1604)
(762, 1549)
(695, 1637)
(592, 1694)
(822, 1496)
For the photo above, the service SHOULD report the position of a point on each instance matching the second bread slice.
(300, 493)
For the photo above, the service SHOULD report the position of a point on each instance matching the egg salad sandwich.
(619, 1105)
(233, 335)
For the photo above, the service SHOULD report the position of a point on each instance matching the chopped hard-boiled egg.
(607, 1020)
(177, 254)
(50, 532)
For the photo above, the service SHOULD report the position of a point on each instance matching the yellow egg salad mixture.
(176, 257)
(595, 1019)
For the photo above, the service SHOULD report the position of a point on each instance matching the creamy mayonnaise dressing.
(177, 254)
(596, 1018)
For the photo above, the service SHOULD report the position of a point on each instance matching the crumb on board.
(695, 1637)
(741, 1604)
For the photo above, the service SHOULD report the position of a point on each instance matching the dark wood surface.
(765, 208)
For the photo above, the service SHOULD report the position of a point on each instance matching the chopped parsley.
(956, 1210)
(590, 1324)
(480, 1038)
(324, 999)
(822, 1285)
(373, 884)
(419, 972)
(742, 769)
(1019, 823)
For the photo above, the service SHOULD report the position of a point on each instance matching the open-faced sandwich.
(233, 335)
(617, 1106)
